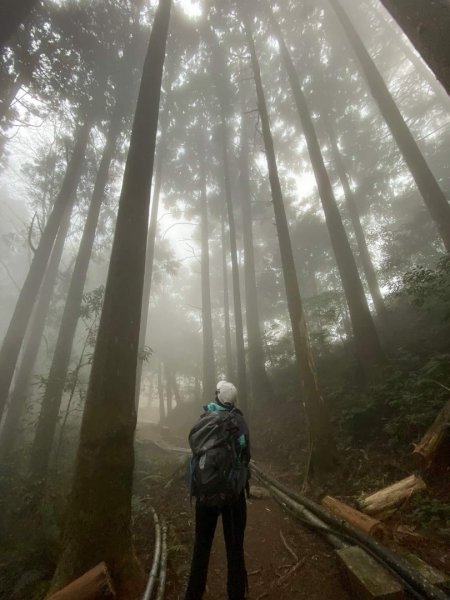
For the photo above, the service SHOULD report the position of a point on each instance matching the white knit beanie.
(226, 393)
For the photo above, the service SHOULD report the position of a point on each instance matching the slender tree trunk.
(168, 388)
(220, 75)
(208, 362)
(23, 378)
(240, 349)
(12, 14)
(226, 305)
(368, 346)
(432, 194)
(260, 384)
(162, 410)
(404, 47)
(51, 401)
(174, 387)
(151, 237)
(364, 254)
(427, 24)
(323, 449)
(102, 486)
(14, 336)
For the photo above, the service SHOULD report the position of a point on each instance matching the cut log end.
(96, 584)
(356, 518)
(389, 498)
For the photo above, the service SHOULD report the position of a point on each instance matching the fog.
(298, 222)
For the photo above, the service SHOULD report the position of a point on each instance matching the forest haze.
(193, 191)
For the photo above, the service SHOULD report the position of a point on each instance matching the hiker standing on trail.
(219, 475)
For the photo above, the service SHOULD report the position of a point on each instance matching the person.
(213, 503)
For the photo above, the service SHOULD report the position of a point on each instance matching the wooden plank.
(368, 580)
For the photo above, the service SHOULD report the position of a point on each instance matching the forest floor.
(161, 482)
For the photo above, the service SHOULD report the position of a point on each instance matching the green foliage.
(401, 405)
(145, 354)
(428, 287)
(29, 530)
(431, 512)
(91, 307)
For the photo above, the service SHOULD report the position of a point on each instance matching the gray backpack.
(216, 473)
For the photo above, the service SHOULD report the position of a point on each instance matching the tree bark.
(151, 238)
(23, 378)
(240, 349)
(13, 339)
(51, 400)
(323, 449)
(12, 14)
(102, 485)
(220, 75)
(368, 347)
(405, 47)
(208, 362)
(432, 194)
(169, 393)
(226, 306)
(262, 392)
(162, 410)
(427, 24)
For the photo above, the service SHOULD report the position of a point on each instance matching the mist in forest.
(259, 195)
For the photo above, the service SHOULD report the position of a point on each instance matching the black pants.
(234, 518)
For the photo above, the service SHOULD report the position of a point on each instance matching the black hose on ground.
(416, 583)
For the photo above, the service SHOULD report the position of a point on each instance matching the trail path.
(274, 572)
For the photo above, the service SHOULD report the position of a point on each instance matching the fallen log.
(425, 450)
(356, 518)
(96, 584)
(392, 496)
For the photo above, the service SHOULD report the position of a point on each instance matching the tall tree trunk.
(220, 75)
(427, 24)
(226, 305)
(174, 387)
(368, 348)
(260, 384)
(23, 378)
(12, 14)
(432, 194)
(240, 349)
(103, 478)
(363, 249)
(151, 236)
(51, 400)
(162, 410)
(208, 362)
(13, 339)
(404, 47)
(168, 388)
(323, 449)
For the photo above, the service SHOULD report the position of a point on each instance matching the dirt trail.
(269, 563)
